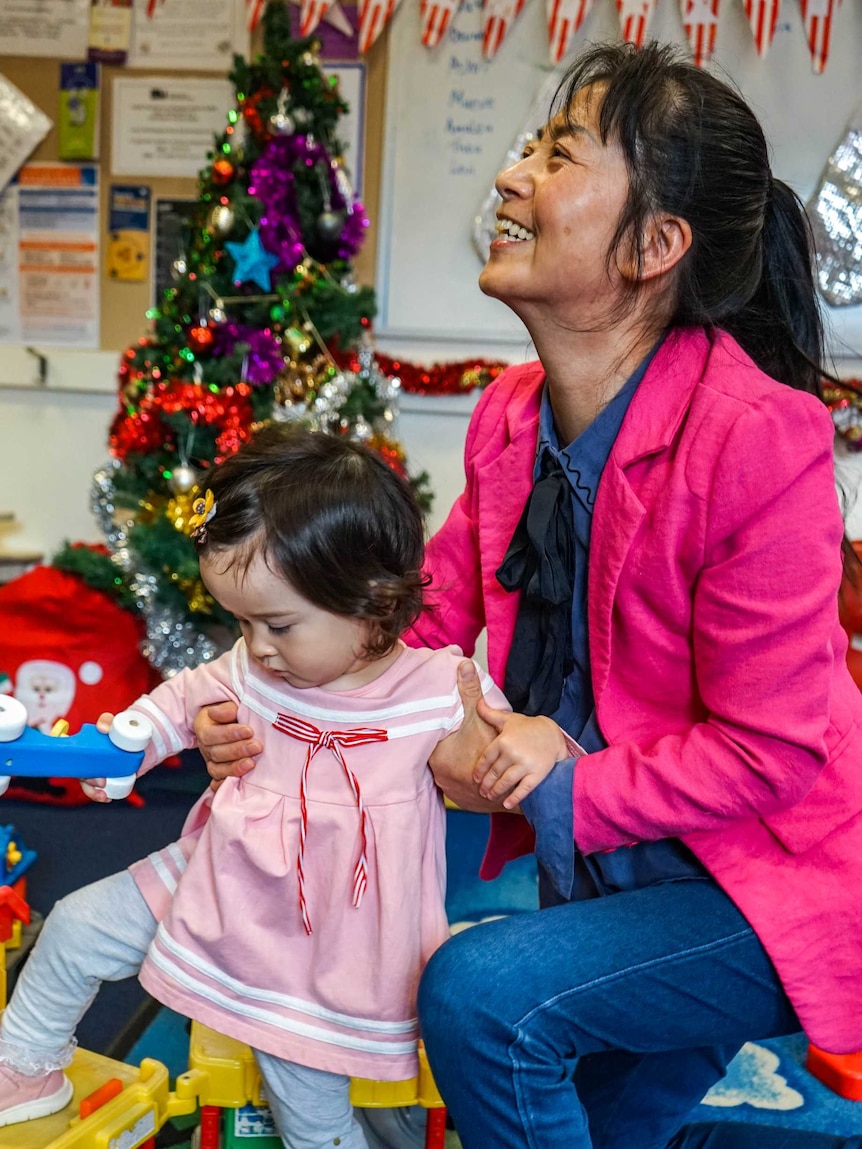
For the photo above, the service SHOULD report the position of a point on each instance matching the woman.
(651, 535)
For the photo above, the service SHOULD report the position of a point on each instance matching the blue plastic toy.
(115, 756)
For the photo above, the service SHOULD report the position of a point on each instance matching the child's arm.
(171, 708)
(524, 752)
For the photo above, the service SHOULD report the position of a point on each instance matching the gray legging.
(102, 933)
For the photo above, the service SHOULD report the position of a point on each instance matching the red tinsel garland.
(457, 378)
(142, 430)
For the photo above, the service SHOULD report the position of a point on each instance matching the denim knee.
(447, 996)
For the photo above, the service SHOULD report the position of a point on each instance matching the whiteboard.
(452, 117)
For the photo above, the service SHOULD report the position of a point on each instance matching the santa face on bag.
(47, 690)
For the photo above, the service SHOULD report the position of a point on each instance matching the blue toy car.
(115, 756)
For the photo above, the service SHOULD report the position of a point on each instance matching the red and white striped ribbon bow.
(635, 16)
(311, 12)
(499, 16)
(436, 15)
(332, 740)
(763, 18)
(700, 21)
(817, 18)
(564, 19)
(374, 15)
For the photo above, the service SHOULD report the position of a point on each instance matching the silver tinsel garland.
(173, 642)
(836, 220)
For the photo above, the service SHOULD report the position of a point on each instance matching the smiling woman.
(630, 533)
(640, 494)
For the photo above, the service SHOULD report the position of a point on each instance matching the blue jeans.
(597, 1024)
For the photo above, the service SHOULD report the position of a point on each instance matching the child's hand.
(524, 752)
(94, 788)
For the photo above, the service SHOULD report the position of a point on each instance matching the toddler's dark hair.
(331, 518)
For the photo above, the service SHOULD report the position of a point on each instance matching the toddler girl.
(302, 901)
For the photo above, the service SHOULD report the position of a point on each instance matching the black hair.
(693, 148)
(331, 518)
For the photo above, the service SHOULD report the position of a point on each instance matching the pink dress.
(304, 934)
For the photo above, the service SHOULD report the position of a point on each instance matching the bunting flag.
(499, 17)
(817, 18)
(436, 15)
(763, 18)
(255, 11)
(311, 12)
(635, 16)
(374, 15)
(565, 17)
(700, 21)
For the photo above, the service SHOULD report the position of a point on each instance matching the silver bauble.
(302, 117)
(179, 268)
(330, 224)
(282, 123)
(221, 219)
(183, 478)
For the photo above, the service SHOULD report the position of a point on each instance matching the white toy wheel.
(131, 731)
(13, 718)
(120, 787)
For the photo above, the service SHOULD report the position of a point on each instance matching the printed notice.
(58, 250)
(45, 28)
(166, 127)
(190, 35)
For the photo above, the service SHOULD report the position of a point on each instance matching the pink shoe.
(25, 1098)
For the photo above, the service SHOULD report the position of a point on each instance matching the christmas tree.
(263, 322)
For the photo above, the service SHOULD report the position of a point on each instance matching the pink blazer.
(718, 660)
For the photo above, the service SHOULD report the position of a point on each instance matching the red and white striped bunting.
(374, 15)
(762, 18)
(565, 17)
(817, 19)
(311, 12)
(635, 16)
(498, 18)
(255, 12)
(436, 15)
(700, 21)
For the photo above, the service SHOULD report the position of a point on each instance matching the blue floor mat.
(766, 1084)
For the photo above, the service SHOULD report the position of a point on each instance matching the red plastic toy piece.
(210, 1123)
(842, 1072)
(435, 1129)
(99, 1097)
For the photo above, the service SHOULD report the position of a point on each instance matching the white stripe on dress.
(286, 1001)
(243, 1009)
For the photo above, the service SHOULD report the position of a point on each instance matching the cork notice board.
(124, 304)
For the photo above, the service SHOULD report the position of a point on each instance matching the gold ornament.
(298, 339)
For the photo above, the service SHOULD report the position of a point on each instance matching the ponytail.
(781, 326)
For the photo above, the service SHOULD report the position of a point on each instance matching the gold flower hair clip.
(203, 509)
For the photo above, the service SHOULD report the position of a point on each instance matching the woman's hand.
(455, 758)
(227, 748)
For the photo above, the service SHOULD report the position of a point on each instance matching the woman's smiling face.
(561, 206)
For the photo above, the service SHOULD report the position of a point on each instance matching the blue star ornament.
(253, 263)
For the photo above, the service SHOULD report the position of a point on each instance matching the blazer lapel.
(651, 422)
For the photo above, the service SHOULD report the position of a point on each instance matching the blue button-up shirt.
(549, 807)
